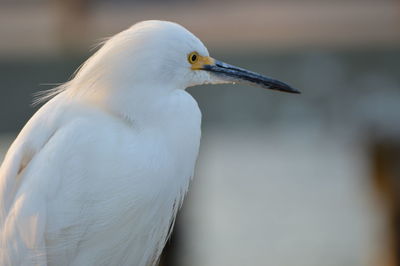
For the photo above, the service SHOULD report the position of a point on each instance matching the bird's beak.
(229, 73)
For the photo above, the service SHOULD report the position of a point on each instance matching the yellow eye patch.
(197, 61)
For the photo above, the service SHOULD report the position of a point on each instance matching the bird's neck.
(141, 106)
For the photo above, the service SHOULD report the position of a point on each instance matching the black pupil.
(194, 57)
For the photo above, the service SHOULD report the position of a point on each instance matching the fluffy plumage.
(97, 175)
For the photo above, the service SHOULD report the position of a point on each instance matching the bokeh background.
(282, 180)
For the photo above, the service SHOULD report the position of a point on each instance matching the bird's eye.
(193, 57)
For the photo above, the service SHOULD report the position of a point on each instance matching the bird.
(97, 175)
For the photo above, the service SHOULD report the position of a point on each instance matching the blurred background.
(282, 180)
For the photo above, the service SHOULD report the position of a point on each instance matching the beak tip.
(285, 88)
(295, 91)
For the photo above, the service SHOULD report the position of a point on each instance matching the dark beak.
(236, 74)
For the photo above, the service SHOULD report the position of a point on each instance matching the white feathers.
(97, 175)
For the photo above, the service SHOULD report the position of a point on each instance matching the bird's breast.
(129, 179)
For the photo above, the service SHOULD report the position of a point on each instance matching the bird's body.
(75, 222)
(98, 173)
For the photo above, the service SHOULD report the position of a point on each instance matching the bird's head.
(165, 54)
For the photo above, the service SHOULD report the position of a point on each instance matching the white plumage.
(97, 175)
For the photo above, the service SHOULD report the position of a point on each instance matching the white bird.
(98, 174)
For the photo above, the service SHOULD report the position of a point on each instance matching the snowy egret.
(98, 174)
